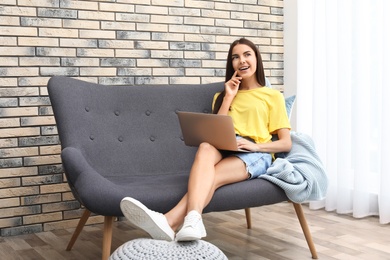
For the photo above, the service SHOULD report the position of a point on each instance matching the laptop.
(217, 130)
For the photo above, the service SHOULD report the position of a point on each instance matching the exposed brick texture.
(115, 42)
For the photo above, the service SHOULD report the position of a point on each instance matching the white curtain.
(343, 100)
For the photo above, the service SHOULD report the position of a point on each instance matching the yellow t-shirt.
(258, 113)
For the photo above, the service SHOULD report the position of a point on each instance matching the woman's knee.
(207, 150)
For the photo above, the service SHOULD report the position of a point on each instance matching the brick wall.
(116, 42)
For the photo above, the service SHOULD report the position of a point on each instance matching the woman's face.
(244, 61)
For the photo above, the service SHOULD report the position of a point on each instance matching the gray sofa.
(120, 141)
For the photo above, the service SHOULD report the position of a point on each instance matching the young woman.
(257, 112)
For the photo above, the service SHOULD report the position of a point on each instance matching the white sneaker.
(154, 223)
(192, 229)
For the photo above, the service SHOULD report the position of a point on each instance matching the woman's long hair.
(260, 76)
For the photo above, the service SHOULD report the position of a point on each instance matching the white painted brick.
(9, 61)
(184, 11)
(243, 32)
(91, 15)
(134, 71)
(77, 24)
(166, 19)
(7, 142)
(149, 27)
(229, 6)
(260, 9)
(167, 71)
(140, 18)
(199, 38)
(115, 7)
(98, 71)
(257, 25)
(17, 51)
(168, 3)
(199, 72)
(42, 3)
(163, 36)
(110, 25)
(22, 31)
(18, 11)
(151, 45)
(80, 62)
(9, 82)
(40, 22)
(133, 35)
(35, 41)
(167, 54)
(39, 61)
(95, 52)
(199, 4)
(50, 149)
(59, 71)
(37, 121)
(199, 21)
(271, 18)
(18, 152)
(215, 14)
(206, 80)
(184, 80)
(17, 132)
(143, 9)
(152, 63)
(19, 71)
(10, 20)
(116, 44)
(215, 30)
(213, 64)
(33, 81)
(244, 16)
(198, 55)
(132, 53)
(229, 23)
(62, 52)
(97, 34)
(80, 5)
(9, 122)
(78, 43)
(62, 33)
(184, 28)
(42, 160)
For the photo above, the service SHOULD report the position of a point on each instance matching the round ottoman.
(144, 248)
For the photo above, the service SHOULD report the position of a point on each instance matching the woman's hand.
(245, 144)
(232, 86)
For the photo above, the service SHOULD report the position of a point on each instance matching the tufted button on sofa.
(120, 141)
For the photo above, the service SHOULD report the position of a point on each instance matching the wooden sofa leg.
(305, 229)
(248, 218)
(107, 237)
(79, 228)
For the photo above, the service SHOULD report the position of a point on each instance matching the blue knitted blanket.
(300, 173)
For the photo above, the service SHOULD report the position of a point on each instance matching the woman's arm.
(283, 144)
(231, 89)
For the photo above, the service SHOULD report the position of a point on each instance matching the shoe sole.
(188, 236)
(136, 213)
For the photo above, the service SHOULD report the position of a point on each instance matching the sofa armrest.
(91, 189)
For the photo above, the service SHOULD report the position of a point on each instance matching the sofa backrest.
(124, 130)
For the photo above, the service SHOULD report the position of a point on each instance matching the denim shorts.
(256, 163)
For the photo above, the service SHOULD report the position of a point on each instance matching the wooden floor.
(275, 234)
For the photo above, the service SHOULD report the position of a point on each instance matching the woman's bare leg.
(208, 173)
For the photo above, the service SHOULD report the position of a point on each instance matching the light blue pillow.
(289, 101)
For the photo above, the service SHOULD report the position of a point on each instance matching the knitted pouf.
(143, 248)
